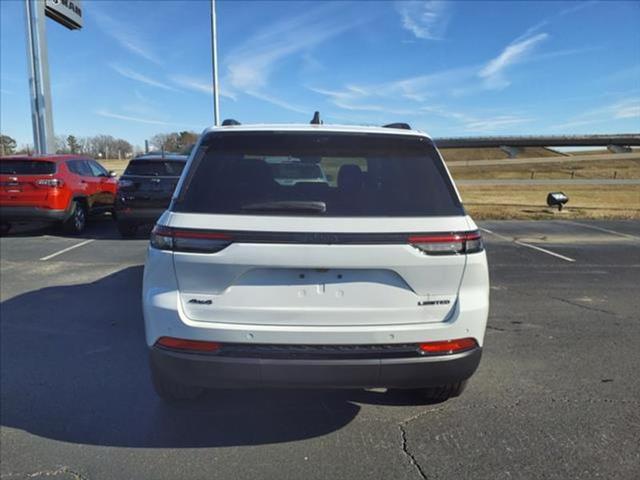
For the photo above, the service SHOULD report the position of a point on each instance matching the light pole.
(214, 64)
(39, 89)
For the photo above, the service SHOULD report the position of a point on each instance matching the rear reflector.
(188, 345)
(448, 243)
(185, 240)
(445, 347)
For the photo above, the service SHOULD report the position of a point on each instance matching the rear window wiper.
(287, 206)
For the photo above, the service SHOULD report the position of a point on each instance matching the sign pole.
(39, 87)
(214, 63)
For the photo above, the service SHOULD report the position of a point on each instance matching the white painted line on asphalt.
(65, 250)
(602, 229)
(528, 245)
(544, 250)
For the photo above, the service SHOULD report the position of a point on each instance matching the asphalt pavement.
(557, 394)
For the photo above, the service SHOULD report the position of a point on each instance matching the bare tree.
(25, 149)
(61, 144)
(174, 141)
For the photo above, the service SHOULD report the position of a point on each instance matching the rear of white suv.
(374, 278)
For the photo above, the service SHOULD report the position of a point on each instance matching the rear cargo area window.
(26, 167)
(329, 174)
(154, 168)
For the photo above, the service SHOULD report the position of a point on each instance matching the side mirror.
(112, 174)
(557, 199)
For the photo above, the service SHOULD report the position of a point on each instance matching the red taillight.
(185, 240)
(50, 182)
(189, 345)
(447, 243)
(445, 347)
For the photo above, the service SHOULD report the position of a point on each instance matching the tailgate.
(22, 190)
(297, 278)
(148, 192)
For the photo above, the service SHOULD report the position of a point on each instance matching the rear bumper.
(14, 214)
(218, 371)
(138, 214)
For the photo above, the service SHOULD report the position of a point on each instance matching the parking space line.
(65, 250)
(602, 229)
(528, 245)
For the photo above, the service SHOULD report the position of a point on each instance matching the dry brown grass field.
(627, 168)
(529, 202)
(116, 165)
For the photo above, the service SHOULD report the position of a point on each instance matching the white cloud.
(628, 109)
(278, 102)
(495, 124)
(150, 121)
(425, 19)
(200, 85)
(138, 77)
(108, 114)
(250, 64)
(484, 123)
(127, 36)
(514, 52)
(622, 110)
(577, 6)
(402, 96)
(453, 82)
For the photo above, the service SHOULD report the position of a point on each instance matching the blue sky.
(449, 68)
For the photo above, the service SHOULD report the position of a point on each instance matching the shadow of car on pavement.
(99, 227)
(74, 368)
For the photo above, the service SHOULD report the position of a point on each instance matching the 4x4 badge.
(197, 301)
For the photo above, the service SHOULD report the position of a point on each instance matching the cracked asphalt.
(557, 395)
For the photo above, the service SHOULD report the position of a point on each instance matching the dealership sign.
(65, 12)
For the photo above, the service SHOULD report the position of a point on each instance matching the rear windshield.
(334, 175)
(26, 167)
(155, 168)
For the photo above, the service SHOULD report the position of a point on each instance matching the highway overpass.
(621, 141)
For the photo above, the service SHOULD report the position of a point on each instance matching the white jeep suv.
(374, 278)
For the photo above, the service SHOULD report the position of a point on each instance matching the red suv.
(57, 188)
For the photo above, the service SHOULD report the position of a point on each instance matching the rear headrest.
(252, 170)
(350, 177)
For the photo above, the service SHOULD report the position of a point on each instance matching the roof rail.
(401, 125)
(229, 122)
(316, 119)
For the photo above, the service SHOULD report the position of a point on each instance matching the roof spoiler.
(400, 125)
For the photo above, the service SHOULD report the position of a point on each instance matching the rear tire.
(442, 393)
(171, 391)
(127, 230)
(5, 227)
(76, 223)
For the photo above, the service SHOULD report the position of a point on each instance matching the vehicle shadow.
(101, 227)
(74, 368)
